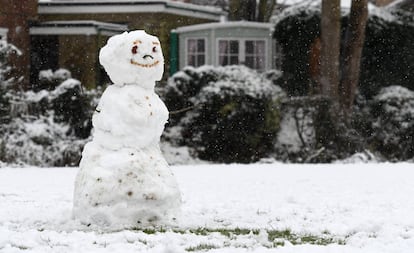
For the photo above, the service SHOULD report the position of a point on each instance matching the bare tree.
(338, 91)
(354, 42)
(251, 10)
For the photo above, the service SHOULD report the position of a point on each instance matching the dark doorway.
(44, 55)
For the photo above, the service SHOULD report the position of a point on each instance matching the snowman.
(123, 179)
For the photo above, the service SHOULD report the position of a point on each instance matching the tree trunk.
(234, 9)
(330, 43)
(354, 42)
(242, 10)
(328, 112)
(265, 10)
(249, 10)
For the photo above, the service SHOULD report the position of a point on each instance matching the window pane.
(249, 47)
(260, 62)
(223, 48)
(234, 60)
(249, 62)
(223, 60)
(200, 45)
(234, 47)
(200, 60)
(191, 46)
(191, 60)
(260, 47)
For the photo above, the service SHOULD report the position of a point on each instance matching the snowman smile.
(145, 65)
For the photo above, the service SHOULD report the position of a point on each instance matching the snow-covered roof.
(129, 6)
(344, 3)
(88, 27)
(218, 25)
(402, 4)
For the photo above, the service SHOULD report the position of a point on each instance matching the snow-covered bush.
(296, 29)
(184, 85)
(234, 115)
(393, 123)
(49, 79)
(6, 49)
(49, 127)
(311, 133)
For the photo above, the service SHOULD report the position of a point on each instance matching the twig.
(184, 109)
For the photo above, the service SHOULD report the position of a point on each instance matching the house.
(69, 33)
(224, 43)
(73, 45)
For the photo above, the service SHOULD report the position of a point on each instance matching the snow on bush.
(393, 125)
(232, 116)
(361, 157)
(6, 49)
(48, 127)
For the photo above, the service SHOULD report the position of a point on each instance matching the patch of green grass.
(202, 247)
(150, 231)
(277, 234)
(302, 239)
(224, 231)
(277, 238)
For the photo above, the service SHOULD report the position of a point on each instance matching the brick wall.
(16, 16)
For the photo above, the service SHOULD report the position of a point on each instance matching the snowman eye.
(154, 49)
(134, 49)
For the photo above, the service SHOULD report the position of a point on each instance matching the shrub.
(234, 115)
(5, 50)
(184, 85)
(392, 128)
(49, 127)
(312, 133)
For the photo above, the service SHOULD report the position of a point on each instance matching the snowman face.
(133, 58)
(145, 55)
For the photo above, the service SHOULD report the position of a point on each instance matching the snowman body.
(123, 180)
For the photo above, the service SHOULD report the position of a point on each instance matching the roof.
(129, 6)
(403, 4)
(224, 25)
(76, 27)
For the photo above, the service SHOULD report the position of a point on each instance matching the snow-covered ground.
(341, 208)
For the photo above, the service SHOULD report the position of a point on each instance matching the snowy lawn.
(227, 208)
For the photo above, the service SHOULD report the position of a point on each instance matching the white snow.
(369, 207)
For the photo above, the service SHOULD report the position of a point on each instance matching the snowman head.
(133, 58)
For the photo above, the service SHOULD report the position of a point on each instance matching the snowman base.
(125, 188)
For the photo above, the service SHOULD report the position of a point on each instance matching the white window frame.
(218, 50)
(254, 54)
(242, 50)
(3, 33)
(187, 53)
